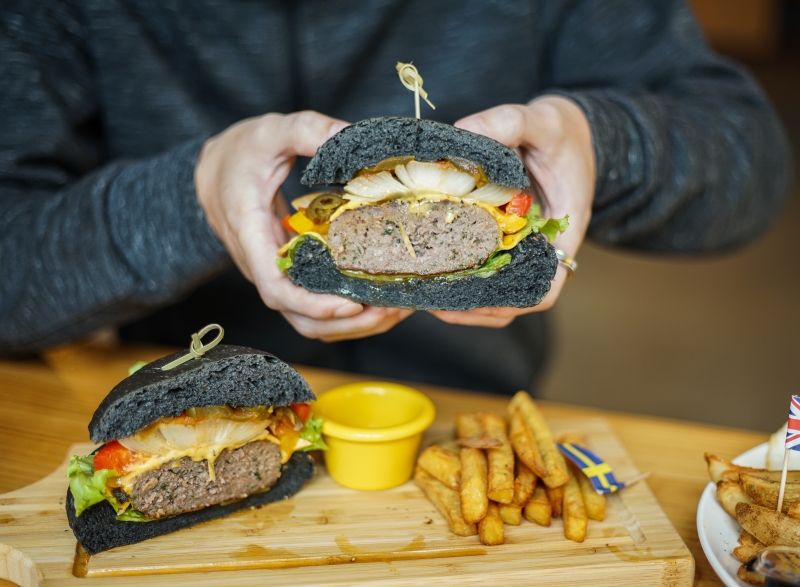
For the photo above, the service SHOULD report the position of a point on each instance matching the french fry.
(472, 492)
(525, 445)
(768, 526)
(574, 510)
(524, 483)
(764, 492)
(500, 460)
(729, 493)
(556, 497)
(511, 513)
(479, 442)
(442, 465)
(752, 577)
(555, 466)
(490, 528)
(468, 426)
(595, 502)
(446, 501)
(538, 509)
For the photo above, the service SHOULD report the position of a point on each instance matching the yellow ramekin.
(373, 431)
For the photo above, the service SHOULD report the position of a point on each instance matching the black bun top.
(225, 375)
(366, 143)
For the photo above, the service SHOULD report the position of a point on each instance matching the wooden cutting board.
(329, 535)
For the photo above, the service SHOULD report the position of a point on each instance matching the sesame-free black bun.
(521, 284)
(97, 528)
(368, 142)
(224, 375)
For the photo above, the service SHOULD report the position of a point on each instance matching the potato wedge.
(446, 501)
(720, 469)
(501, 459)
(524, 483)
(751, 577)
(764, 492)
(490, 528)
(538, 510)
(746, 553)
(483, 442)
(511, 513)
(442, 464)
(768, 526)
(556, 497)
(729, 493)
(794, 510)
(574, 510)
(555, 474)
(524, 444)
(472, 492)
(595, 502)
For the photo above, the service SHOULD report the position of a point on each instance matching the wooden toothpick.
(412, 80)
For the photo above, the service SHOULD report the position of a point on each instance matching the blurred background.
(714, 340)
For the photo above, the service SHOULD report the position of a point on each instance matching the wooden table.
(47, 403)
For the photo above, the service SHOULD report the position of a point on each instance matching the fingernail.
(347, 310)
(473, 124)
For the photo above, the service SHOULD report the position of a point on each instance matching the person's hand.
(237, 177)
(553, 138)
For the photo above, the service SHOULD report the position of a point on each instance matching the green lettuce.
(312, 432)
(549, 227)
(88, 487)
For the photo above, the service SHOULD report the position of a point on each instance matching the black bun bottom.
(521, 284)
(97, 528)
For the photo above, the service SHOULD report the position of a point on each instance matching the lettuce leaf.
(549, 227)
(312, 432)
(88, 487)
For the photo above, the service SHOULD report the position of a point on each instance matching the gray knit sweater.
(105, 104)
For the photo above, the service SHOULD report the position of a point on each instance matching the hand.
(553, 138)
(237, 177)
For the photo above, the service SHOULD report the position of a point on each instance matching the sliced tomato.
(113, 456)
(519, 204)
(285, 223)
(303, 411)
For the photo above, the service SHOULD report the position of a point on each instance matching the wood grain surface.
(47, 403)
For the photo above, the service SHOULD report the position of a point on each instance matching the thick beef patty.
(422, 238)
(184, 485)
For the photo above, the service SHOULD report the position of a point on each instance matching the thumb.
(302, 133)
(505, 124)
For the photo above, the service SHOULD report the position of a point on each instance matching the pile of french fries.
(490, 476)
(751, 497)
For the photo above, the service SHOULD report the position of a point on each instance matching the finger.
(506, 124)
(472, 318)
(302, 133)
(371, 320)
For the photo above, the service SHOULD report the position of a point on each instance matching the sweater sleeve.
(85, 241)
(690, 155)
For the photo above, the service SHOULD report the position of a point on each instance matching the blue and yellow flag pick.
(596, 469)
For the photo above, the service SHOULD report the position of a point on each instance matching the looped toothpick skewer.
(413, 81)
(197, 349)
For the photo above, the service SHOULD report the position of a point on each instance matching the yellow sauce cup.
(373, 431)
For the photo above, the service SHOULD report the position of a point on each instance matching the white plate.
(718, 532)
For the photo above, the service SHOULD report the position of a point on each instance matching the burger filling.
(405, 218)
(205, 456)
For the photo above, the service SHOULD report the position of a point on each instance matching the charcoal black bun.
(97, 528)
(521, 284)
(232, 375)
(366, 143)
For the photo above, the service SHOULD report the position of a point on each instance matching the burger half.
(429, 217)
(214, 435)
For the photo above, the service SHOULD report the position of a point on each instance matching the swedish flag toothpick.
(596, 469)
